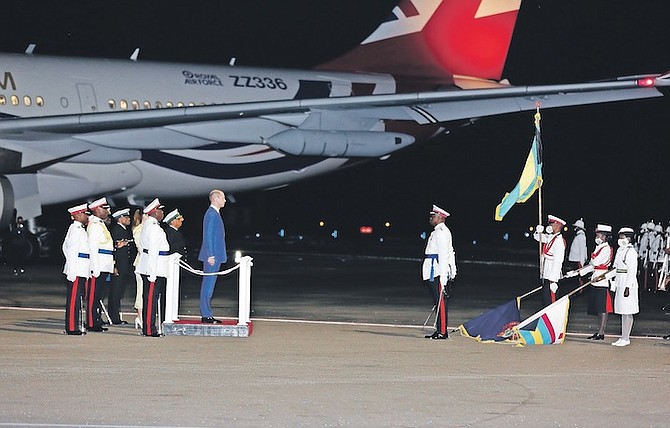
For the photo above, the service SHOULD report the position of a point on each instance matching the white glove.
(539, 228)
(553, 287)
(71, 277)
(571, 274)
(95, 273)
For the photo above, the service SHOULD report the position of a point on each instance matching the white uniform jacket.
(553, 254)
(155, 248)
(599, 264)
(440, 257)
(625, 275)
(578, 251)
(101, 246)
(75, 248)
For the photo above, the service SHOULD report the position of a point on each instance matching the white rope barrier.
(244, 264)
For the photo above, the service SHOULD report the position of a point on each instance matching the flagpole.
(539, 194)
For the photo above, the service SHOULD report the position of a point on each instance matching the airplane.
(76, 128)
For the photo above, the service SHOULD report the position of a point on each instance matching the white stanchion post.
(244, 289)
(172, 289)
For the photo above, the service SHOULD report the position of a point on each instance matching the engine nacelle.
(6, 202)
(338, 144)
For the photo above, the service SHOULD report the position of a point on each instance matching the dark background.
(606, 163)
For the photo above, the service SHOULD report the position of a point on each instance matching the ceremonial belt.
(160, 253)
(103, 251)
(83, 256)
(622, 271)
(433, 258)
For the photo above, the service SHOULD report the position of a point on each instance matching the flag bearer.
(600, 300)
(551, 259)
(77, 268)
(439, 268)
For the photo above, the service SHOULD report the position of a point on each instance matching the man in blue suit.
(212, 252)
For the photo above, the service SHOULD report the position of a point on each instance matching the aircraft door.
(87, 98)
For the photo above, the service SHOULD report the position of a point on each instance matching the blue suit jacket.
(213, 237)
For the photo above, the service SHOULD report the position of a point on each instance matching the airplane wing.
(419, 107)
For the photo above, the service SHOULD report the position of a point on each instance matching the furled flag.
(493, 325)
(547, 326)
(531, 176)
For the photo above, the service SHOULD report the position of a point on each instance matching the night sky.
(607, 163)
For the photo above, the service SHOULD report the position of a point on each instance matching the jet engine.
(342, 144)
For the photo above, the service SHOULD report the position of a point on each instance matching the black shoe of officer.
(210, 320)
(74, 333)
(439, 336)
(97, 328)
(431, 336)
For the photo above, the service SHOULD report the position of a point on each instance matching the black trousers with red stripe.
(150, 293)
(95, 293)
(73, 305)
(440, 300)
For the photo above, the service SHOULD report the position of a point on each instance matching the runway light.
(646, 82)
(365, 230)
(527, 235)
(322, 223)
(423, 236)
(282, 233)
(334, 234)
(387, 224)
(258, 235)
(474, 242)
(505, 237)
(531, 228)
(381, 239)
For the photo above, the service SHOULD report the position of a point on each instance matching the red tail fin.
(437, 39)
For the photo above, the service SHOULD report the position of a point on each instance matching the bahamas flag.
(494, 325)
(531, 176)
(546, 327)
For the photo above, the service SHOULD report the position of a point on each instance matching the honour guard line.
(158, 267)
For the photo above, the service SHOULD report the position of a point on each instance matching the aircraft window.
(111, 103)
(135, 104)
(158, 104)
(147, 105)
(27, 101)
(14, 99)
(123, 104)
(39, 101)
(3, 100)
(168, 104)
(180, 104)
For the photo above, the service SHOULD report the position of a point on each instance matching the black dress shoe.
(120, 322)
(210, 320)
(597, 337)
(431, 336)
(439, 336)
(75, 333)
(97, 328)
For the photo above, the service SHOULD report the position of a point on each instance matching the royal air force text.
(257, 82)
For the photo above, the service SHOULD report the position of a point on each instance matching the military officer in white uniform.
(77, 268)
(553, 255)
(600, 300)
(625, 285)
(439, 268)
(153, 266)
(101, 250)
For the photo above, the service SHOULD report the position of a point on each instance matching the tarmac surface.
(337, 341)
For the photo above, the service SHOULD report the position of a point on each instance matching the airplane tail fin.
(437, 39)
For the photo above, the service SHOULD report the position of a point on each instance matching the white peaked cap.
(155, 204)
(554, 219)
(440, 211)
(77, 209)
(579, 223)
(99, 203)
(119, 213)
(626, 230)
(659, 228)
(171, 216)
(604, 228)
